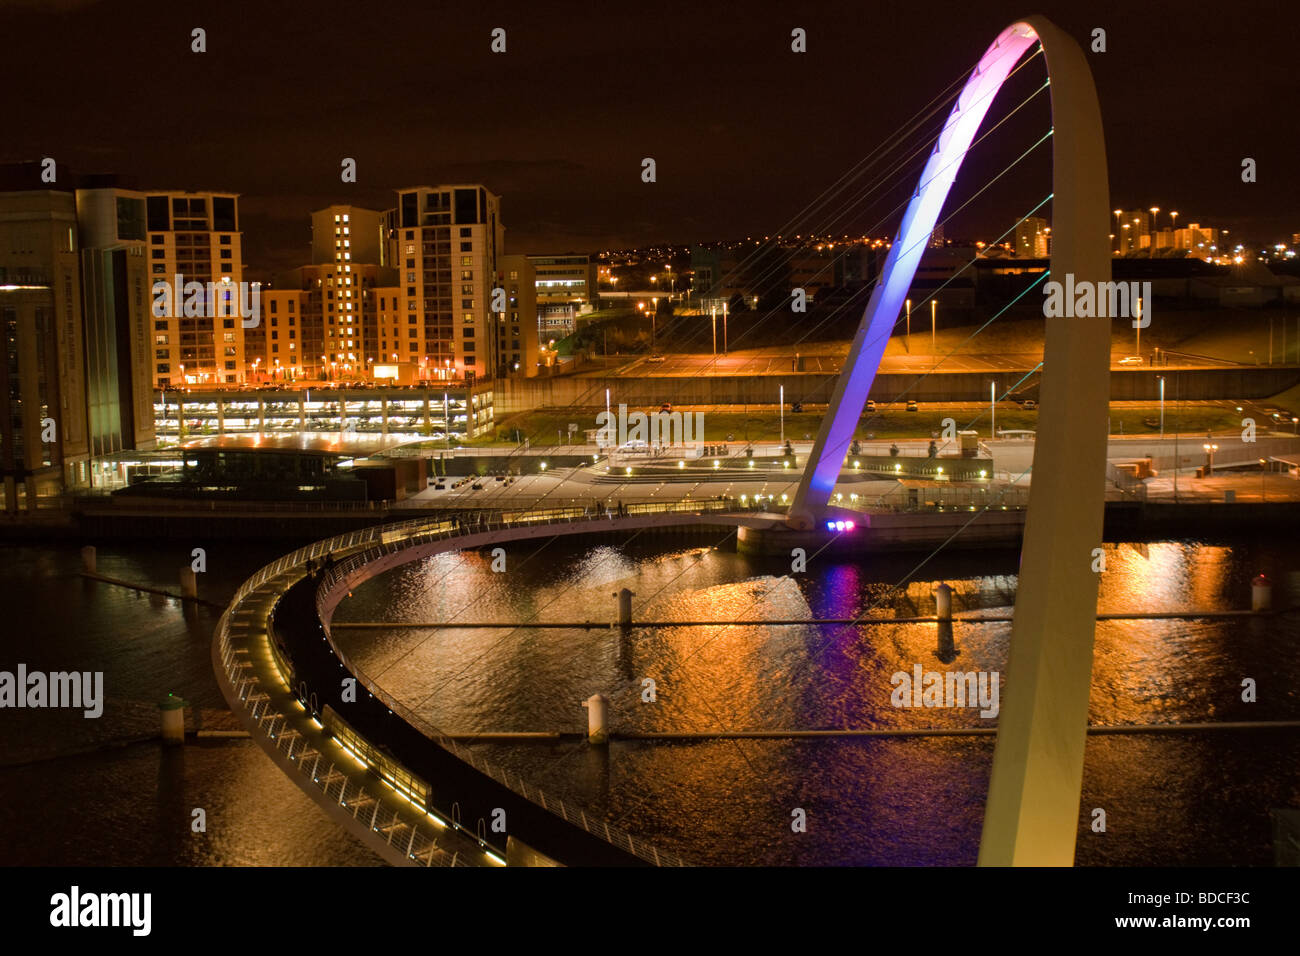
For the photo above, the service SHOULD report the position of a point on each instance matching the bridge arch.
(1032, 812)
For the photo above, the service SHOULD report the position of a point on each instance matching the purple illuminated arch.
(900, 266)
(1032, 814)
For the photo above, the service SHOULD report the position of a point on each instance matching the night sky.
(744, 132)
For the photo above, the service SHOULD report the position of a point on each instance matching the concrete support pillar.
(302, 414)
(189, 583)
(624, 607)
(180, 421)
(1261, 594)
(88, 559)
(172, 711)
(428, 417)
(261, 414)
(221, 416)
(943, 602)
(597, 716)
(383, 405)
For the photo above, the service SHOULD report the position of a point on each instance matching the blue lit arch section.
(900, 266)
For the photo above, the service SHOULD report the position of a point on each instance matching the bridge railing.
(403, 830)
(363, 546)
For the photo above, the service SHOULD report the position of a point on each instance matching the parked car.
(655, 358)
(911, 406)
(871, 405)
(1131, 360)
(666, 407)
(1029, 404)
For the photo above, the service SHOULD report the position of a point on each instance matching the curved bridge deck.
(397, 783)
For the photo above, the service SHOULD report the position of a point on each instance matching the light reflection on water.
(873, 801)
(77, 793)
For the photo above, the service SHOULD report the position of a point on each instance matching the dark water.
(80, 791)
(1192, 798)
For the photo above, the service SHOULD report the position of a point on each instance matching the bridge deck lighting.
(681, 464)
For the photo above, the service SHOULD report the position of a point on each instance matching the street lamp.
(907, 338)
(1263, 472)
(1210, 449)
(1154, 211)
(934, 349)
(1118, 213)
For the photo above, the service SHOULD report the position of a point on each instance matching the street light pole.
(993, 408)
(1137, 328)
(907, 338)
(783, 416)
(1162, 406)
(934, 349)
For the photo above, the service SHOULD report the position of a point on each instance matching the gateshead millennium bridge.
(417, 797)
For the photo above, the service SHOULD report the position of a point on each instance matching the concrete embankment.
(892, 531)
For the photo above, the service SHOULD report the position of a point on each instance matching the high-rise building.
(196, 236)
(116, 307)
(344, 234)
(444, 242)
(1032, 238)
(517, 338)
(43, 439)
(335, 330)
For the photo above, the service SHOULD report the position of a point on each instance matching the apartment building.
(444, 242)
(196, 235)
